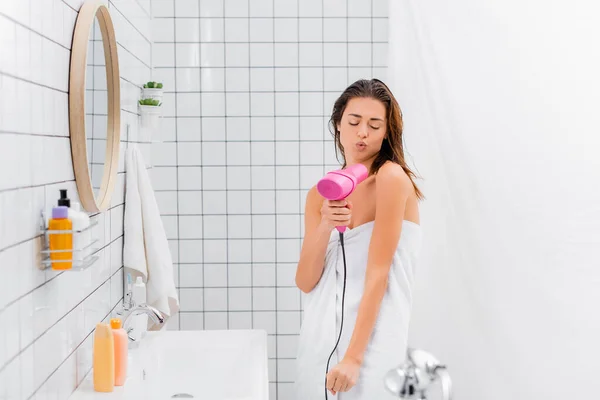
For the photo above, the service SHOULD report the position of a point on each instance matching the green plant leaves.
(149, 102)
(153, 85)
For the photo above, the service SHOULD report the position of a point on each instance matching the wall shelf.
(81, 258)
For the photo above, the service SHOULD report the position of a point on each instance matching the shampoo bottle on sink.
(121, 341)
(140, 321)
(104, 359)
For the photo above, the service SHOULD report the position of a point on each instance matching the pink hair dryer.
(339, 184)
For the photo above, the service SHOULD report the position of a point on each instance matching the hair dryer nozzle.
(339, 184)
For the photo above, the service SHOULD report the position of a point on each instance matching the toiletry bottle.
(104, 358)
(121, 342)
(62, 242)
(140, 321)
(80, 221)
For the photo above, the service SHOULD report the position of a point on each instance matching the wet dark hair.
(392, 148)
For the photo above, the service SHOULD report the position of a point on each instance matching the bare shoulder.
(393, 174)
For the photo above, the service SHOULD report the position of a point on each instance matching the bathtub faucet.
(413, 379)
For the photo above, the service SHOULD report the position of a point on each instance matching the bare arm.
(320, 218)
(392, 190)
(314, 245)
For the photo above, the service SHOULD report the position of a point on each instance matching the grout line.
(226, 138)
(177, 166)
(264, 42)
(202, 174)
(250, 162)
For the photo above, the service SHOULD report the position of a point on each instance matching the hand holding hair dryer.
(339, 184)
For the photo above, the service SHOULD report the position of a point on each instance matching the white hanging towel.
(322, 316)
(146, 249)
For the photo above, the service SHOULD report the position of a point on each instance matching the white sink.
(212, 364)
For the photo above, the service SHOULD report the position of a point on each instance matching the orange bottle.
(104, 359)
(61, 241)
(121, 341)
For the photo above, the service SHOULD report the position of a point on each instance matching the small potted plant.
(153, 90)
(150, 111)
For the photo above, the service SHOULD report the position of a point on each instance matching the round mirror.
(94, 106)
(96, 112)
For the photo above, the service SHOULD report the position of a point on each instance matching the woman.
(381, 243)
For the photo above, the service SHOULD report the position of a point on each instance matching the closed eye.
(375, 127)
(353, 124)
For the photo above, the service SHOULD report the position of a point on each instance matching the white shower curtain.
(501, 109)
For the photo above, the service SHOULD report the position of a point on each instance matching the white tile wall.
(48, 317)
(252, 84)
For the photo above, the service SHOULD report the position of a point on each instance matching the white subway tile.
(263, 250)
(288, 226)
(240, 203)
(211, 8)
(286, 79)
(262, 79)
(240, 320)
(239, 251)
(288, 322)
(286, 54)
(359, 30)
(262, 178)
(191, 299)
(261, 29)
(216, 320)
(240, 299)
(190, 251)
(380, 8)
(287, 177)
(186, 8)
(286, 8)
(334, 8)
(265, 320)
(262, 128)
(262, 104)
(236, 8)
(214, 202)
(286, 30)
(263, 274)
(193, 321)
(163, 8)
(359, 54)
(8, 32)
(212, 30)
(191, 275)
(237, 30)
(187, 29)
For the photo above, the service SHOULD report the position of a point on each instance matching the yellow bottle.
(61, 241)
(121, 342)
(104, 359)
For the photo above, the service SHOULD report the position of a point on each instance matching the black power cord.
(342, 322)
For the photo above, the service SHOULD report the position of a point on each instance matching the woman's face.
(362, 129)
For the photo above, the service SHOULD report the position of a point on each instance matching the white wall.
(249, 88)
(46, 317)
(499, 102)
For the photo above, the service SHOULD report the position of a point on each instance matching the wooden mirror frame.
(77, 80)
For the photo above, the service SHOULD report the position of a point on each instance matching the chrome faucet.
(154, 314)
(411, 380)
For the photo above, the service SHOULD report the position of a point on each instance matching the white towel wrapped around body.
(146, 248)
(322, 313)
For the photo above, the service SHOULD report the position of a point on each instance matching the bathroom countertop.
(201, 364)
